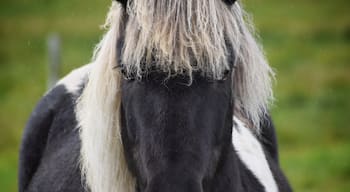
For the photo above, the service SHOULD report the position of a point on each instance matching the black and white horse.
(175, 100)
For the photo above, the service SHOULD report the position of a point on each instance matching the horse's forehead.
(153, 73)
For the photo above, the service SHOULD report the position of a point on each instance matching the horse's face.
(174, 133)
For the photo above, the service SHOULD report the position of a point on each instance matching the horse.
(176, 99)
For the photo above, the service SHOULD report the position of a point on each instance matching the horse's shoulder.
(52, 116)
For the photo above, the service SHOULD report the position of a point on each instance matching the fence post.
(54, 51)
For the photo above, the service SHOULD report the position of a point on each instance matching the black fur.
(51, 146)
(168, 130)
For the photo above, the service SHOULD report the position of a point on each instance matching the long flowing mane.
(177, 39)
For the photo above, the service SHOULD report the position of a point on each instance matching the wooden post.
(54, 51)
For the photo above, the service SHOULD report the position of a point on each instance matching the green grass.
(307, 42)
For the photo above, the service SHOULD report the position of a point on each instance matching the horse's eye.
(127, 76)
(225, 75)
(124, 73)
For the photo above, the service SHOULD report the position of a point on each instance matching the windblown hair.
(177, 37)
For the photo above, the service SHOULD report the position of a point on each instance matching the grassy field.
(306, 41)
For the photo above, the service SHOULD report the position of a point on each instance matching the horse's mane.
(175, 37)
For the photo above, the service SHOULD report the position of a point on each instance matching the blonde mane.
(177, 39)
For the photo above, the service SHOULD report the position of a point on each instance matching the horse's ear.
(123, 2)
(230, 2)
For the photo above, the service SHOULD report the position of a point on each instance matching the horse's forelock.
(178, 36)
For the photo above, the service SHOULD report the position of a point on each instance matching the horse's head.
(175, 133)
(170, 118)
(176, 97)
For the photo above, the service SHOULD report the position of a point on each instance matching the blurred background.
(306, 41)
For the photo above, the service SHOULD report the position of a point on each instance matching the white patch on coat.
(74, 79)
(252, 155)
